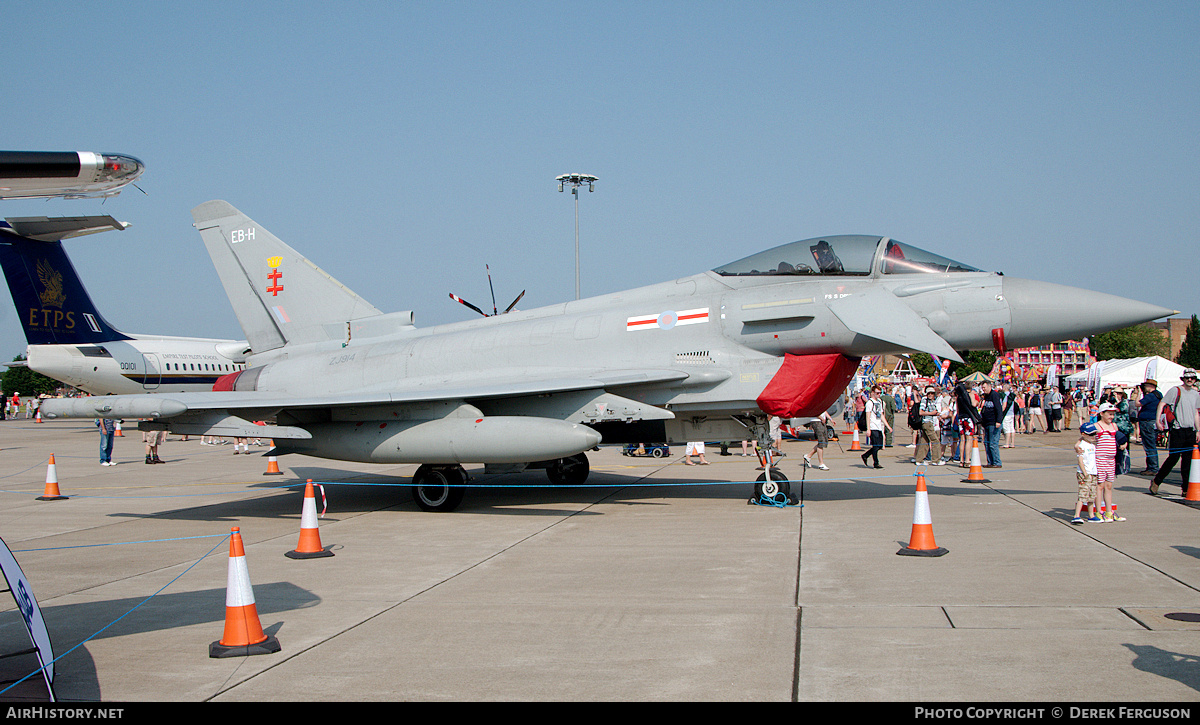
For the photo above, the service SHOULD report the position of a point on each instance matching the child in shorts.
(1085, 474)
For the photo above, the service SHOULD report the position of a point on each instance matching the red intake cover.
(998, 340)
(806, 385)
(225, 382)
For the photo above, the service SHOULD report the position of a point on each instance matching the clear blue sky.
(403, 145)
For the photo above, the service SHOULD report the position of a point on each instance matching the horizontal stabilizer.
(875, 312)
(56, 229)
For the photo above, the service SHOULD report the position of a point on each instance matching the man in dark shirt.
(991, 411)
(1147, 420)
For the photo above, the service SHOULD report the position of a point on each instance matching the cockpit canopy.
(843, 255)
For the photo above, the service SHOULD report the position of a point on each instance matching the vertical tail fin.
(279, 297)
(51, 302)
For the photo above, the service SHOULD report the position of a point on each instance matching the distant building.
(1175, 328)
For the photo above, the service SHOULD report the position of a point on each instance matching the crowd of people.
(942, 417)
(945, 421)
(14, 405)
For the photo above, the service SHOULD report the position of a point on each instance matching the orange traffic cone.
(310, 537)
(243, 632)
(855, 445)
(118, 432)
(921, 542)
(1192, 496)
(51, 490)
(37, 417)
(975, 475)
(273, 467)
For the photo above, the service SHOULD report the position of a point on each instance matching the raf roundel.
(667, 320)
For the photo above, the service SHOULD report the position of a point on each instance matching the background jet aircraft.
(70, 341)
(706, 357)
(69, 174)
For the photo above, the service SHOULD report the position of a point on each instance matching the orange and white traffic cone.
(855, 445)
(244, 634)
(921, 542)
(975, 475)
(273, 467)
(1192, 495)
(37, 417)
(309, 546)
(51, 491)
(118, 432)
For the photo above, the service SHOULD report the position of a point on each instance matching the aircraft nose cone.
(1043, 312)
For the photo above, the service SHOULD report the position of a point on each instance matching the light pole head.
(577, 180)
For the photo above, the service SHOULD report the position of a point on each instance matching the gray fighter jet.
(706, 357)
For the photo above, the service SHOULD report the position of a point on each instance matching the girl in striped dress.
(1106, 460)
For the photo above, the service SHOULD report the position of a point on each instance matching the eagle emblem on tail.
(52, 285)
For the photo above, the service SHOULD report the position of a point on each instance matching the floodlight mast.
(576, 181)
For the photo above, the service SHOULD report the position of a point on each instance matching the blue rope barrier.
(409, 484)
(118, 619)
(117, 543)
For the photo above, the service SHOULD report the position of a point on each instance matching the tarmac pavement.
(656, 581)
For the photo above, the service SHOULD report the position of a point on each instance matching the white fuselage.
(144, 364)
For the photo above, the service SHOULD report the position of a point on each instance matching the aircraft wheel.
(439, 488)
(778, 486)
(571, 471)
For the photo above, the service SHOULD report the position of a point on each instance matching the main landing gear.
(571, 471)
(441, 487)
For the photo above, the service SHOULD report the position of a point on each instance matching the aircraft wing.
(877, 313)
(577, 396)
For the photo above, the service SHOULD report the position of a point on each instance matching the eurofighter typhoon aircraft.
(706, 357)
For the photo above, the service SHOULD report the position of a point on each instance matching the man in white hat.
(1179, 414)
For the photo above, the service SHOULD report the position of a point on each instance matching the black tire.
(571, 471)
(439, 488)
(779, 489)
(657, 452)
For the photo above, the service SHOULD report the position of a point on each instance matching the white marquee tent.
(1129, 372)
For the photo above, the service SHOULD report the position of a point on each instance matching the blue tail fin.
(51, 302)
